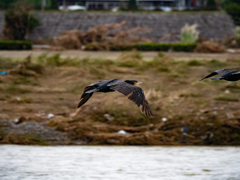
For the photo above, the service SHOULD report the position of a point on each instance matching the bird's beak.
(138, 83)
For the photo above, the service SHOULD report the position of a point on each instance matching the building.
(142, 4)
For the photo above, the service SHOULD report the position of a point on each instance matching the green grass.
(7, 63)
(215, 64)
(226, 97)
(25, 81)
(14, 89)
(194, 63)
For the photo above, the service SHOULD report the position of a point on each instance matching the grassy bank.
(207, 110)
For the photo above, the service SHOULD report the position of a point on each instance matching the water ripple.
(119, 162)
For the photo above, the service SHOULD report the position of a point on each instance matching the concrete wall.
(210, 25)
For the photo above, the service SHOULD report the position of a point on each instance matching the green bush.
(15, 45)
(91, 47)
(153, 47)
(238, 40)
(132, 5)
(19, 21)
(234, 11)
(145, 47)
(211, 5)
(125, 47)
(5, 4)
(184, 47)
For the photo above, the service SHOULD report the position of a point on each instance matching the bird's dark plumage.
(227, 74)
(127, 88)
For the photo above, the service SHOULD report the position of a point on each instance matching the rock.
(50, 116)
(122, 132)
(108, 117)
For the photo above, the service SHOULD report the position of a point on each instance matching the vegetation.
(147, 47)
(19, 21)
(184, 47)
(15, 45)
(232, 7)
(211, 5)
(153, 47)
(132, 5)
(238, 31)
(189, 34)
(5, 4)
(50, 4)
(53, 5)
(172, 88)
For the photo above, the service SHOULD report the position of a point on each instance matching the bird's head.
(133, 82)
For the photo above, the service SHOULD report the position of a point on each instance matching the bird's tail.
(212, 74)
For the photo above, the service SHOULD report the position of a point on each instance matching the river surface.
(119, 163)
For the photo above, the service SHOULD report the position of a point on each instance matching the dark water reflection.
(118, 163)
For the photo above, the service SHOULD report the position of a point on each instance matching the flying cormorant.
(127, 88)
(227, 74)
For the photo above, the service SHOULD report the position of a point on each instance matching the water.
(118, 163)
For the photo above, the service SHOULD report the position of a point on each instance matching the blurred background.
(51, 49)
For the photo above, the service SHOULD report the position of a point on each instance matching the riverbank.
(38, 103)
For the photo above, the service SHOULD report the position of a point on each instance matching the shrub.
(238, 31)
(132, 5)
(184, 47)
(189, 34)
(5, 4)
(153, 47)
(19, 21)
(91, 47)
(124, 47)
(238, 40)
(15, 45)
(145, 47)
(234, 11)
(194, 63)
(211, 5)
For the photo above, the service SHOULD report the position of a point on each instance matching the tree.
(5, 4)
(229, 2)
(19, 21)
(232, 7)
(234, 11)
(132, 5)
(54, 4)
(80, 3)
(211, 5)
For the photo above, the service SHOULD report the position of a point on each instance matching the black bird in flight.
(227, 74)
(127, 88)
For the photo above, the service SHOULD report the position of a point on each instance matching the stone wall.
(1, 21)
(210, 25)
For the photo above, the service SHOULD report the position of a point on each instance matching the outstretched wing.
(235, 73)
(85, 96)
(135, 94)
(224, 71)
(220, 71)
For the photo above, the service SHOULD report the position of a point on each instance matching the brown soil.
(208, 111)
(115, 55)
